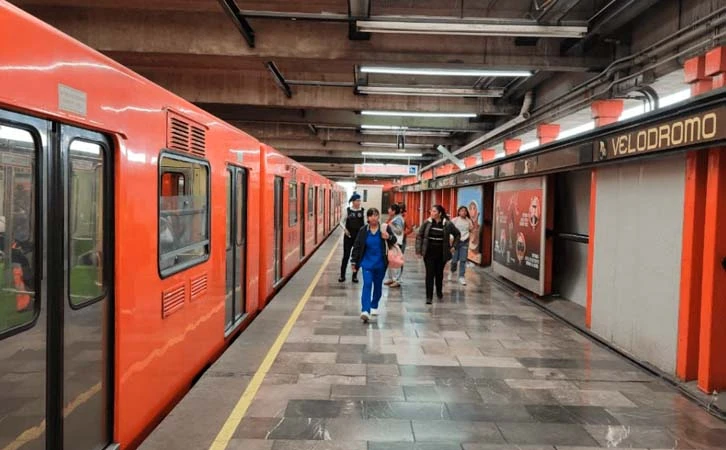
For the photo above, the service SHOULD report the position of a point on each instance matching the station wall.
(637, 258)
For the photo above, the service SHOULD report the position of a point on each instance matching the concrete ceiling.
(225, 56)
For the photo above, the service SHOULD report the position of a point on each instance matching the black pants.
(434, 261)
(347, 248)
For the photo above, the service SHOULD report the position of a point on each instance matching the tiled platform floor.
(480, 370)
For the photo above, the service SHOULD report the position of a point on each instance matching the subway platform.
(481, 369)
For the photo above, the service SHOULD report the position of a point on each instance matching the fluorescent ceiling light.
(444, 72)
(431, 91)
(529, 146)
(393, 145)
(382, 127)
(416, 114)
(406, 133)
(392, 154)
(577, 130)
(470, 29)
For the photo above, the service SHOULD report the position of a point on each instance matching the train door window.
(321, 202)
(277, 259)
(292, 204)
(236, 247)
(365, 195)
(183, 213)
(311, 202)
(301, 195)
(19, 305)
(86, 205)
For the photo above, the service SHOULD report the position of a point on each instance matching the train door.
(55, 202)
(277, 259)
(236, 247)
(301, 196)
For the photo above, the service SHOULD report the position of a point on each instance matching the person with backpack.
(434, 243)
(352, 223)
(370, 254)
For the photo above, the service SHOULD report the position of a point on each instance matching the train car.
(131, 229)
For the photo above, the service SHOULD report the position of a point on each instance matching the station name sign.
(699, 128)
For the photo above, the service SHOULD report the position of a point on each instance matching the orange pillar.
(605, 112)
(547, 132)
(716, 67)
(511, 146)
(712, 360)
(689, 315)
(488, 155)
(695, 71)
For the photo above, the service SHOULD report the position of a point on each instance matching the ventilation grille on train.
(185, 135)
(198, 286)
(172, 300)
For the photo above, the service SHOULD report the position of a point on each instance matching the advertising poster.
(519, 226)
(471, 197)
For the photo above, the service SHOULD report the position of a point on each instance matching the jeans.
(460, 256)
(347, 248)
(372, 280)
(434, 273)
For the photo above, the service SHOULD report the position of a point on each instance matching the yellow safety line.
(230, 425)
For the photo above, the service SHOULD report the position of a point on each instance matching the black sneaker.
(439, 296)
(341, 279)
(429, 301)
(355, 278)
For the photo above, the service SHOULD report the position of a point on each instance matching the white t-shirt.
(463, 226)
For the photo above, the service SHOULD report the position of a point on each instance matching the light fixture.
(431, 91)
(393, 154)
(392, 145)
(417, 114)
(469, 28)
(407, 133)
(443, 72)
(382, 127)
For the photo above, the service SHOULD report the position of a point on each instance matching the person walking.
(397, 225)
(369, 254)
(463, 223)
(352, 223)
(433, 242)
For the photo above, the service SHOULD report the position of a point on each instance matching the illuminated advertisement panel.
(520, 208)
(471, 197)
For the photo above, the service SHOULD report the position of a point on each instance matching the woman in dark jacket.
(369, 254)
(433, 242)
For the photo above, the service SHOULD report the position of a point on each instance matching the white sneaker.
(449, 277)
(364, 316)
(462, 281)
(374, 311)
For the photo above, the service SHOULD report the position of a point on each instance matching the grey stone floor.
(479, 370)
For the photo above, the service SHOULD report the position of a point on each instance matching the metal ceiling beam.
(234, 13)
(615, 15)
(556, 10)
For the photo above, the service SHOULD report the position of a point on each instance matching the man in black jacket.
(353, 221)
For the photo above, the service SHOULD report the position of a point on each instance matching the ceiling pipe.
(523, 115)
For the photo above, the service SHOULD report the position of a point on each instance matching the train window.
(18, 284)
(86, 223)
(311, 202)
(365, 195)
(183, 213)
(292, 204)
(321, 196)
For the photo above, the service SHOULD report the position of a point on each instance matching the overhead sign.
(694, 129)
(385, 169)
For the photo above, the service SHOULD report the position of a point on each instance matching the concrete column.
(695, 70)
(605, 112)
(547, 132)
(511, 146)
(715, 67)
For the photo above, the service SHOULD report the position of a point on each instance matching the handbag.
(394, 255)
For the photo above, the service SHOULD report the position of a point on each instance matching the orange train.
(138, 235)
